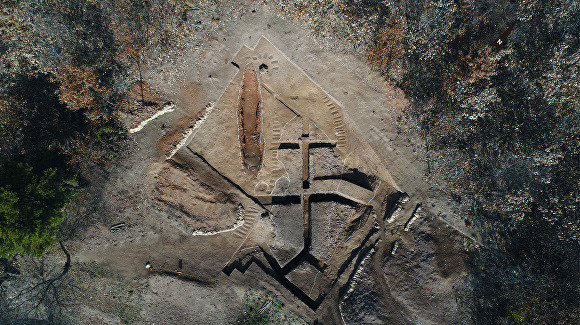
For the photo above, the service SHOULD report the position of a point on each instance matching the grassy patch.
(259, 307)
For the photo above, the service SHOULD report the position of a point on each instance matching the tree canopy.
(31, 204)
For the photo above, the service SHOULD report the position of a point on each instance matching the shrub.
(30, 207)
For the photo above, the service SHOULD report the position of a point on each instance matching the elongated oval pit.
(250, 121)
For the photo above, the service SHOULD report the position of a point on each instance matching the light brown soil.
(329, 221)
(250, 121)
(324, 162)
(292, 160)
(197, 204)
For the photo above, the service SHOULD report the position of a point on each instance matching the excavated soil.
(328, 226)
(188, 99)
(324, 162)
(362, 302)
(292, 161)
(289, 231)
(195, 203)
(199, 193)
(250, 121)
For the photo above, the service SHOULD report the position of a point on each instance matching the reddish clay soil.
(192, 112)
(178, 131)
(250, 121)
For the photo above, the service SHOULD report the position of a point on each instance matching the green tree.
(30, 208)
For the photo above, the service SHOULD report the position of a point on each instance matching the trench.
(355, 177)
(289, 145)
(279, 273)
(249, 112)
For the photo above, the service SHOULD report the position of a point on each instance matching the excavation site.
(336, 162)
(315, 194)
(272, 186)
(276, 174)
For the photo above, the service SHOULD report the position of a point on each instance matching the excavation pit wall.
(250, 122)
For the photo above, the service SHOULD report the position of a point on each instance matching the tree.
(38, 295)
(30, 208)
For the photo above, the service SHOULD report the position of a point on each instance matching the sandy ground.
(152, 235)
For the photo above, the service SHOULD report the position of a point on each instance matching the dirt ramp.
(197, 205)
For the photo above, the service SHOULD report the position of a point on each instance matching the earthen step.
(251, 216)
(253, 209)
(242, 231)
(278, 170)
